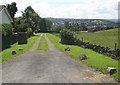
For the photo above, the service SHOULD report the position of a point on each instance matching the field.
(7, 53)
(106, 38)
(43, 44)
(98, 61)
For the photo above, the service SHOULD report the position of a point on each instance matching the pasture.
(106, 38)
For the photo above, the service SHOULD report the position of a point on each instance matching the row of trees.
(31, 20)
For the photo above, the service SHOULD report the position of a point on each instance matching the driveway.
(51, 66)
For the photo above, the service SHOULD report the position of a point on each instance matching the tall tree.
(48, 24)
(43, 27)
(12, 9)
(31, 17)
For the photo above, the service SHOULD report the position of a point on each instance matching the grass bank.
(95, 60)
(7, 53)
(106, 38)
(43, 44)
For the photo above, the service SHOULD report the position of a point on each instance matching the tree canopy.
(12, 9)
(31, 19)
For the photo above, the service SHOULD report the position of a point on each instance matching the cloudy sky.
(102, 9)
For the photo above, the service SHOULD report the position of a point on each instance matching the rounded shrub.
(67, 37)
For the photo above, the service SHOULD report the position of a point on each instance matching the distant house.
(5, 17)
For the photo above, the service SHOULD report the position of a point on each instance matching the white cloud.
(71, 8)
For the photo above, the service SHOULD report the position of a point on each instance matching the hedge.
(6, 29)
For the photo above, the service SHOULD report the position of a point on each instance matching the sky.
(78, 9)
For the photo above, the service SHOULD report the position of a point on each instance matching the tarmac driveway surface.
(50, 66)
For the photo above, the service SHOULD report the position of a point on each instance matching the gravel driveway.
(50, 66)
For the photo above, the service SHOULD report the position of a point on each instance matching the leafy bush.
(6, 29)
(21, 27)
(30, 32)
(67, 37)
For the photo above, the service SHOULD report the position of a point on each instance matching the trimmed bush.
(22, 37)
(67, 37)
(8, 40)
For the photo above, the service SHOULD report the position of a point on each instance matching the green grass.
(43, 44)
(106, 38)
(98, 61)
(7, 53)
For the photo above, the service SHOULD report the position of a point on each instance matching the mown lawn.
(43, 44)
(7, 53)
(106, 38)
(98, 61)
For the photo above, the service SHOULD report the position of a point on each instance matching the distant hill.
(88, 22)
(113, 20)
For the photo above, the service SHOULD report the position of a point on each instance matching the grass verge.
(7, 53)
(95, 60)
(43, 44)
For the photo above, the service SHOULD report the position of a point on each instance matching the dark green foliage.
(20, 25)
(66, 24)
(67, 37)
(6, 29)
(30, 19)
(29, 32)
(34, 21)
(43, 27)
(12, 9)
(83, 27)
(22, 38)
(8, 40)
(48, 25)
(58, 28)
